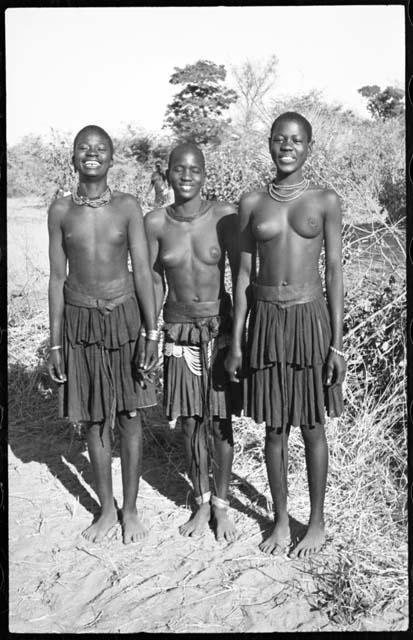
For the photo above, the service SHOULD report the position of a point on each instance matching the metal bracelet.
(56, 347)
(152, 334)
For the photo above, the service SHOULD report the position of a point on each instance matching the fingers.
(329, 375)
(233, 376)
(56, 375)
(341, 375)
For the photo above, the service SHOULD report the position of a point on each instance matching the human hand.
(335, 370)
(151, 354)
(232, 364)
(55, 366)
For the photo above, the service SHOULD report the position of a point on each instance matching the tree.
(254, 80)
(385, 104)
(196, 112)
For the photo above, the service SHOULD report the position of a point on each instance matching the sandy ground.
(59, 582)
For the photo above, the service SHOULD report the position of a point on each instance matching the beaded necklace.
(171, 212)
(100, 201)
(287, 192)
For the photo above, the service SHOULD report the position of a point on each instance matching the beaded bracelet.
(56, 347)
(151, 335)
(339, 353)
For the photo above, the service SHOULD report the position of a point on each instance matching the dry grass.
(363, 570)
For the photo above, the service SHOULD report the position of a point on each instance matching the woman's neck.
(188, 208)
(289, 179)
(92, 189)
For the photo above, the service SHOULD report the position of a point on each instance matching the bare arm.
(158, 275)
(58, 262)
(334, 283)
(147, 355)
(138, 249)
(232, 246)
(246, 246)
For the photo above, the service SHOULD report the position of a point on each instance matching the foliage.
(25, 170)
(363, 160)
(383, 105)
(392, 193)
(196, 112)
(254, 81)
(361, 571)
(39, 167)
(377, 320)
(141, 149)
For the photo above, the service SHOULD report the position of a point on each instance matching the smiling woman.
(95, 322)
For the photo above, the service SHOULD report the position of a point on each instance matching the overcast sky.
(69, 67)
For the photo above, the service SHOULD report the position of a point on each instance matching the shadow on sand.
(37, 435)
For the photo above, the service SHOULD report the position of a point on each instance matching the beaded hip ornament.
(100, 201)
(287, 192)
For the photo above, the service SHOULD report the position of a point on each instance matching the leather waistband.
(105, 305)
(174, 311)
(287, 295)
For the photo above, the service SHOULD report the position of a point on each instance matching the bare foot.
(279, 540)
(224, 528)
(99, 529)
(132, 528)
(198, 522)
(311, 543)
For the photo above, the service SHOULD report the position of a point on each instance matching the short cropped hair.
(296, 117)
(187, 146)
(97, 129)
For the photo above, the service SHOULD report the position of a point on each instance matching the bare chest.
(278, 220)
(85, 228)
(183, 244)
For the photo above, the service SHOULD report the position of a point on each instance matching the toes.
(277, 551)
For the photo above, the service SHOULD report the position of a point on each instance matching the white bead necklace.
(287, 192)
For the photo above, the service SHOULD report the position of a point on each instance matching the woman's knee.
(129, 421)
(274, 437)
(222, 430)
(314, 435)
(188, 426)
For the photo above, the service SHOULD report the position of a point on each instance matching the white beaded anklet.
(219, 502)
(203, 499)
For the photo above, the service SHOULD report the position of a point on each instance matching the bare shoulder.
(124, 200)
(155, 219)
(328, 197)
(252, 199)
(58, 208)
(222, 208)
(331, 204)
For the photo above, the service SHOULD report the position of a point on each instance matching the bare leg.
(279, 539)
(316, 454)
(223, 455)
(130, 431)
(100, 452)
(197, 457)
